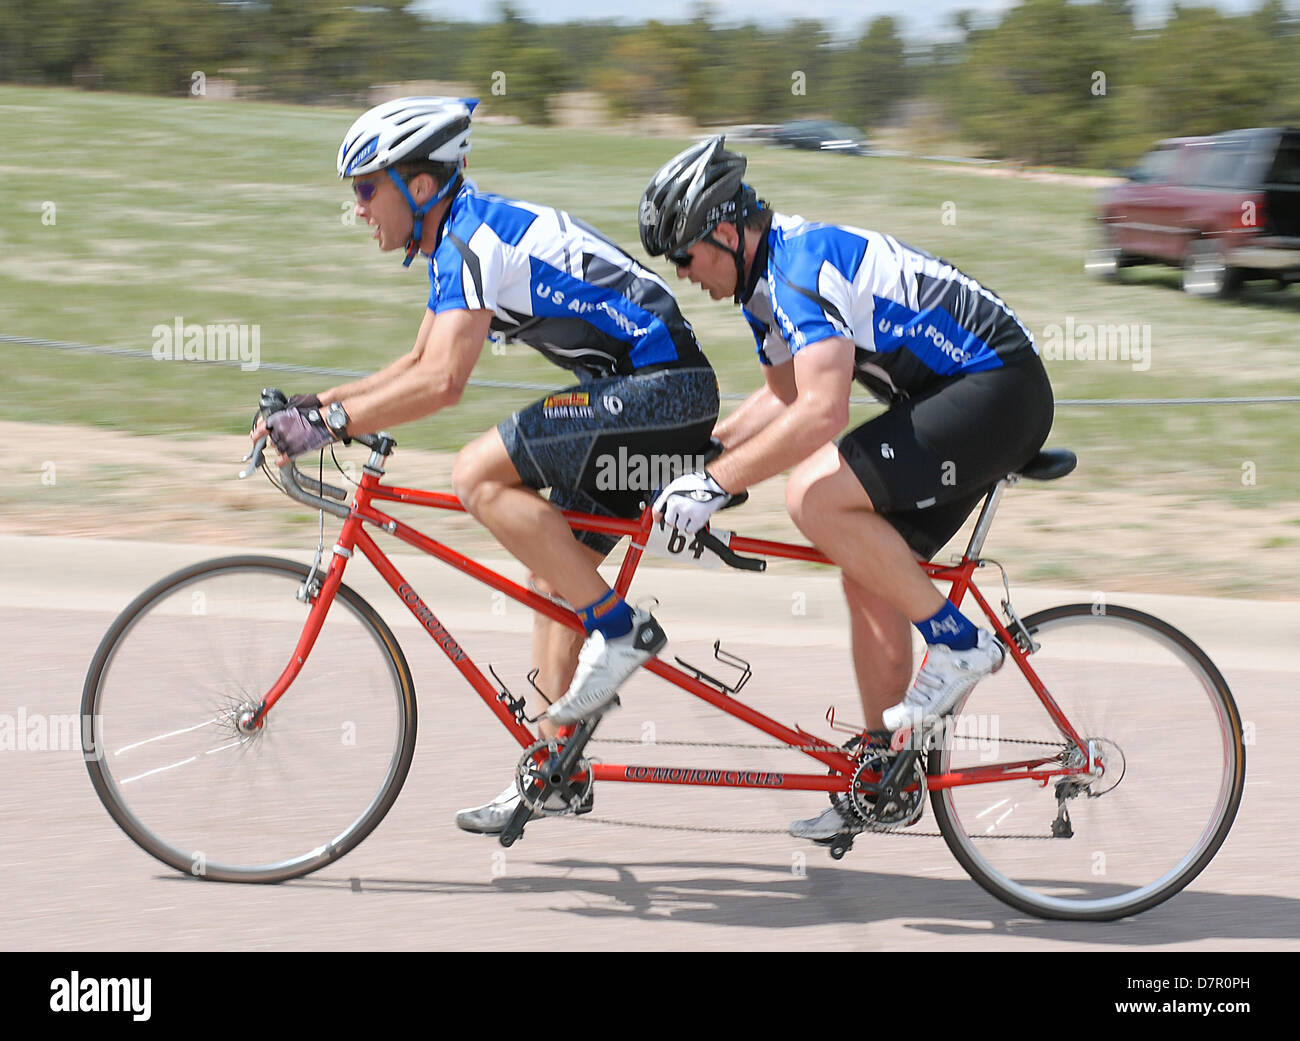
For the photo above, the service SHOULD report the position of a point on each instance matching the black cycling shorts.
(606, 446)
(928, 461)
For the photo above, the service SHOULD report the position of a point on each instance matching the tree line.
(1049, 81)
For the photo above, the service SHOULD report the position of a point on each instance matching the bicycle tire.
(1134, 667)
(137, 683)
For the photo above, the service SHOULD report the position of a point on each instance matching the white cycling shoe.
(945, 677)
(604, 664)
(491, 818)
(826, 826)
(834, 822)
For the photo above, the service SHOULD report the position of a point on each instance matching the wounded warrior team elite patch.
(575, 405)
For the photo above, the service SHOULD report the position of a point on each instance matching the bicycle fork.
(319, 591)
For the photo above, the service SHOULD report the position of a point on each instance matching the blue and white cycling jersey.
(915, 319)
(559, 286)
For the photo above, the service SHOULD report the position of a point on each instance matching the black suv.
(821, 135)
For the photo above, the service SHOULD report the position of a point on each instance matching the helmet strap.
(418, 211)
(739, 255)
(745, 199)
(746, 290)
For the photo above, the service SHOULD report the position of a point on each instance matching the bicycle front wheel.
(1157, 715)
(161, 711)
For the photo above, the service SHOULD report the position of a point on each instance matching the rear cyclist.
(969, 402)
(538, 276)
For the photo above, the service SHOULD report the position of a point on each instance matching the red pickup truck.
(1224, 208)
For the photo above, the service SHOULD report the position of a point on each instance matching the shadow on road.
(829, 896)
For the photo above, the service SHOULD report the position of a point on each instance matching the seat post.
(976, 544)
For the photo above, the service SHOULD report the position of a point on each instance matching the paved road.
(72, 881)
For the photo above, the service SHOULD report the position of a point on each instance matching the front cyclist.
(969, 402)
(537, 276)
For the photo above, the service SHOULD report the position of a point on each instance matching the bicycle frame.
(841, 764)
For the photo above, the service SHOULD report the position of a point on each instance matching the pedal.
(515, 829)
(837, 844)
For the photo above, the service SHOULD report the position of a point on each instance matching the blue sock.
(949, 626)
(609, 615)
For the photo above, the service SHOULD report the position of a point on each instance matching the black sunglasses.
(679, 258)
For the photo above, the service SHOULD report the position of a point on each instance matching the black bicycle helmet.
(691, 195)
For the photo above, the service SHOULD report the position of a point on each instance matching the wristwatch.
(336, 418)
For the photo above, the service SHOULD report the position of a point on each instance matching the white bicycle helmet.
(404, 130)
(409, 130)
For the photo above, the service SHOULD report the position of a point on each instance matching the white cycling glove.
(689, 501)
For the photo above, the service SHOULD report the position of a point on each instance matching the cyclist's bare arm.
(761, 408)
(820, 410)
(401, 365)
(434, 380)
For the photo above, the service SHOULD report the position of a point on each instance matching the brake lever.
(255, 454)
(272, 400)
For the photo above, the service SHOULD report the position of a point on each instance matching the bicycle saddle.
(1050, 464)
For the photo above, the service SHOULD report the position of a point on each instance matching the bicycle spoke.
(188, 783)
(1168, 739)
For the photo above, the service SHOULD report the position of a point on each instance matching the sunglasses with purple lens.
(365, 189)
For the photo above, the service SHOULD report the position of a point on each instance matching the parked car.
(750, 132)
(821, 135)
(1225, 209)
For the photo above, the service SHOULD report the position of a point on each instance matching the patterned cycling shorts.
(608, 445)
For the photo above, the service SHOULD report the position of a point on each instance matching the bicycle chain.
(588, 819)
(904, 832)
(785, 747)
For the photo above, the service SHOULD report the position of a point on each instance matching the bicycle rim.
(1168, 735)
(165, 755)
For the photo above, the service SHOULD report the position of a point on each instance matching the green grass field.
(226, 212)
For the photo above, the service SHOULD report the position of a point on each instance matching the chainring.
(531, 778)
(861, 799)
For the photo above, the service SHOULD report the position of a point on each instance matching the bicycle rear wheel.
(160, 710)
(1167, 733)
